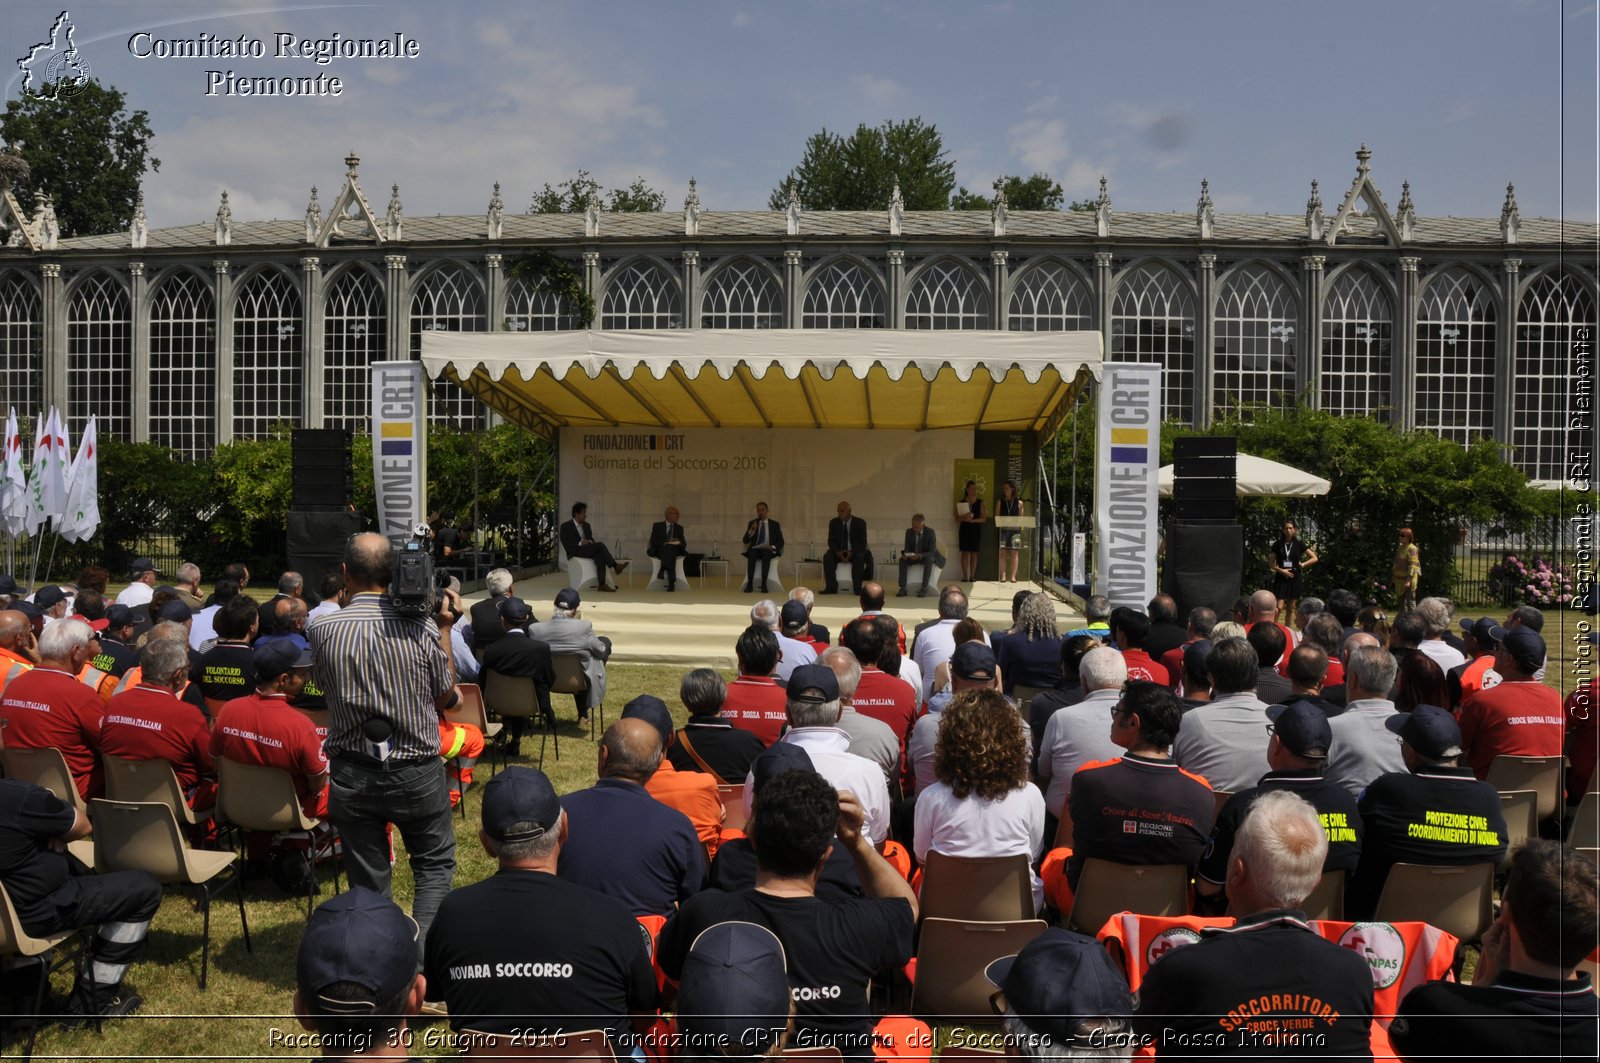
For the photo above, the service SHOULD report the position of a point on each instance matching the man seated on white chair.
(667, 545)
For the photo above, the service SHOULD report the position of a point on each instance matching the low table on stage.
(707, 562)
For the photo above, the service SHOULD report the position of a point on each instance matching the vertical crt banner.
(399, 446)
(1128, 452)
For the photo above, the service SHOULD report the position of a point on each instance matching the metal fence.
(1498, 568)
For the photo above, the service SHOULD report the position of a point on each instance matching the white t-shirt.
(1442, 653)
(973, 826)
(136, 594)
(829, 750)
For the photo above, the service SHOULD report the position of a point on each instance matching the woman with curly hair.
(1030, 654)
(982, 803)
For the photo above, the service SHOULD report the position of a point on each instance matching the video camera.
(413, 586)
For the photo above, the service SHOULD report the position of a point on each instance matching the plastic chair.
(929, 587)
(572, 679)
(256, 797)
(1585, 832)
(1521, 811)
(1326, 901)
(43, 767)
(469, 709)
(951, 957)
(775, 587)
(658, 582)
(732, 797)
(144, 836)
(1106, 888)
(518, 696)
(150, 780)
(1542, 775)
(986, 888)
(15, 941)
(583, 1044)
(1457, 900)
(582, 572)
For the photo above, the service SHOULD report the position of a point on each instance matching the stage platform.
(699, 626)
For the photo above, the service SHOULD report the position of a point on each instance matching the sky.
(1458, 97)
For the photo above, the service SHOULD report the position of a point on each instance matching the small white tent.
(1261, 476)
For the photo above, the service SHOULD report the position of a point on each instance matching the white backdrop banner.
(715, 476)
(1127, 461)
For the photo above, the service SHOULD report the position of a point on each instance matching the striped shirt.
(372, 661)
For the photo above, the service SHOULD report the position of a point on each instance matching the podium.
(1023, 523)
(1016, 522)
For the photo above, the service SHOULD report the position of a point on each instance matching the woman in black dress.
(1010, 538)
(968, 537)
(1289, 559)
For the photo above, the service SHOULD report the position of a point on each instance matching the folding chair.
(583, 1044)
(150, 780)
(256, 797)
(572, 679)
(469, 709)
(1539, 774)
(1457, 900)
(976, 888)
(951, 957)
(144, 836)
(1326, 901)
(512, 696)
(1521, 811)
(1585, 832)
(15, 941)
(732, 798)
(1106, 888)
(43, 767)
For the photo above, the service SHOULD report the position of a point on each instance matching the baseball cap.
(653, 711)
(8, 584)
(174, 610)
(1526, 647)
(1302, 728)
(1429, 730)
(142, 565)
(1059, 979)
(49, 597)
(519, 795)
(567, 598)
(972, 660)
(118, 616)
(734, 989)
(1481, 629)
(34, 614)
(360, 937)
(515, 610)
(96, 626)
(776, 759)
(813, 677)
(794, 613)
(272, 659)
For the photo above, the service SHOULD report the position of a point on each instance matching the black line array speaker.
(316, 541)
(1205, 479)
(1205, 563)
(322, 472)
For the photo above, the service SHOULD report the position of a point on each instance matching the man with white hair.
(1270, 983)
(869, 737)
(48, 706)
(1079, 733)
(1339, 694)
(1363, 748)
(485, 627)
(1437, 614)
(935, 643)
(187, 584)
(567, 632)
(805, 595)
(792, 653)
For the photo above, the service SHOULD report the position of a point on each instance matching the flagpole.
(55, 540)
(38, 548)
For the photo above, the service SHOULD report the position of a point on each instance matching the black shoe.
(671, 587)
(125, 1001)
(901, 593)
(763, 588)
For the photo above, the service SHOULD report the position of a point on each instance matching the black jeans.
(121, 904)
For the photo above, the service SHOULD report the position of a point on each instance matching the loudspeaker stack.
(1205, 550)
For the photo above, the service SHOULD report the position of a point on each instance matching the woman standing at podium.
(970, 535)
(1010, 538)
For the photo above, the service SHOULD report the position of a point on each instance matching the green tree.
(858, 172)
(84, 150)
(572, 197)
(1038, 192)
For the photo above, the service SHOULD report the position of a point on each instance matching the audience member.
(116, 655)
(1062, 997)
(1267, 639)
(1338, 694)
(1326, 633)
(518, 654)
(262, 728)
(47, 706)
(820, 636)
(966, 630)
(791, 652)
(1129, 629)
(1406, 635)
(568, 632)
(1031, 655)
(1076, 734)
(1195, 689)
(1477, 671)
(1096, 618)
(734, 1001)
(1363, 748)
(709, 741)
(972, 668)
(756, 701)
(142, 573)
(1419, 682)
(291, 585)
(331, 591)
(795, 623)
(1308, 667)
(1345, 607)
(1225, 740)
(1264, 610)
(203, 624)
(935, 644)
(880, 695)
(1518, 717)
(150, 723)
(224, 671)
(486, 628)
(19, 652)
(1436, 615)
(1069, 691)
(693, 793)
(1531, 618)
(1166, 634)
(870, 738)
(356, 982)
(1201, 621)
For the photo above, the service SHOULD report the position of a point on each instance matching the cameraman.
(387, 676)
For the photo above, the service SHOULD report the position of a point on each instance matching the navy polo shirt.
(624, 843)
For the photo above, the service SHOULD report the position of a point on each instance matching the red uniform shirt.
(47, 707)
(756, 703)
(1142, 666)
(265, 729)
(1519, 718)
(149, 723)
(889, 699)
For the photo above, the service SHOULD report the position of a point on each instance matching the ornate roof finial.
(1510, 216)
(496, 216)
(1314, 216)
(1205, 217)
(897, 208)
(313, 217)
(1405, 218)
(45, 219)
(224, 227)
(997, 207)
(791, 214)
(1102, 210)
(139, 228)
(395, 220)
(1363, 158)
(1315, 201)
(351, 161)
(591, 215)
(691, 210)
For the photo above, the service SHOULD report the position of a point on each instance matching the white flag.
(47, 483)
(82, 517)
(13, 483)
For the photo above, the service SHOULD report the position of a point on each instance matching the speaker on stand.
(320, 516)
(1205, 548)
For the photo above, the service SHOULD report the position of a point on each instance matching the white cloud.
(1041, 143)
(877, 95)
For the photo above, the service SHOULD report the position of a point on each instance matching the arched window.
(1557, 313)
(183, 365)
(1050, 298)
(1455, 357)
(1255, 342)
(945, 295)
(535, 309)
(1357, 344)
(268, 333)
(1152, 320)
(21, 346)
(843, 295)
(354, 335)
(100, 357)
(448, 299)
(741, 294)
(641, 295)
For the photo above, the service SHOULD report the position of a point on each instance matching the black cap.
(653, 711)
(1481, 630)
(520, 795)
(8, 584)
(49, 596)
(278, 656)
(359, 937)
(793, 613)
(119, 615)
(734, 990)
(1059, 979)
(973, 660)
(29, 610)
(810, 678)
(515, 610)
(1302, 728)
(776, 759)
(174, 610)
(568, 598)
(1525, 645)
(1429, 730)
(142, 565)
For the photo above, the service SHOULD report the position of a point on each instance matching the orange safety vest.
(102, 683)
(15, 669)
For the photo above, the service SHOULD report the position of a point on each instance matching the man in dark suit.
(667, 545)
(486, 628)
(921, 548)
(578, 540)
(518, 655)
(847, 544)
(763, 541)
